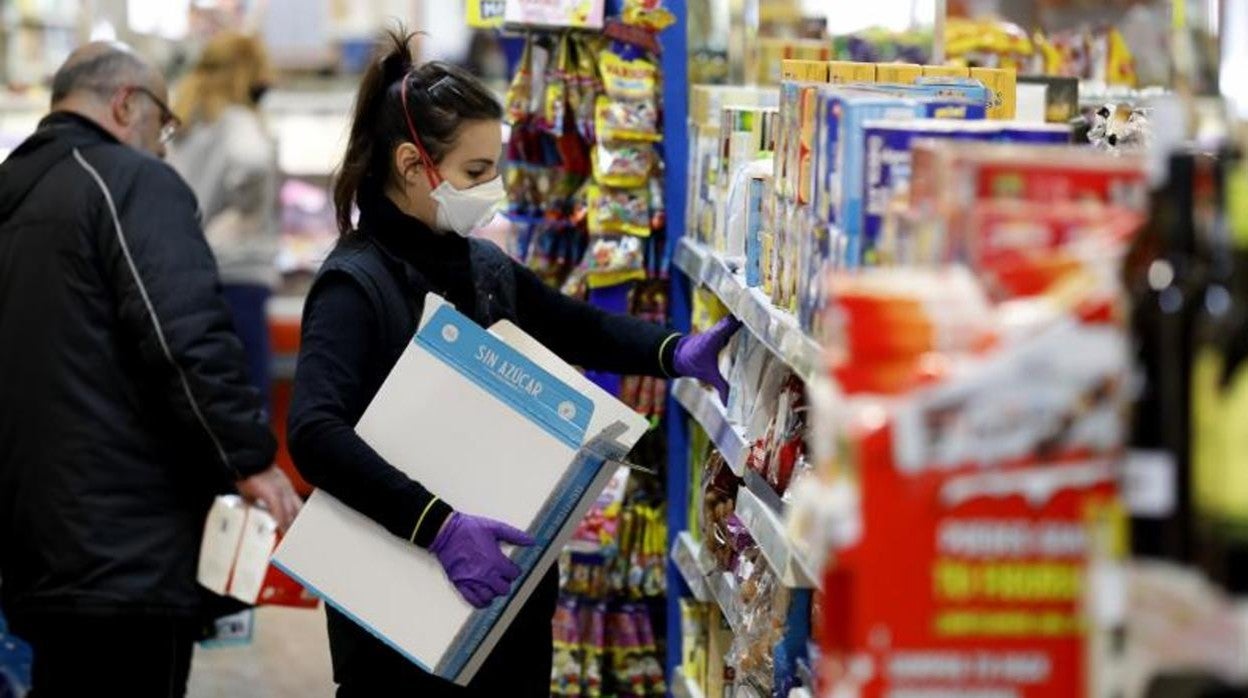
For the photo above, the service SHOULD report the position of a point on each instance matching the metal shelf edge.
(775, 328)
(685, 555)
(706, 410)
(767, 529)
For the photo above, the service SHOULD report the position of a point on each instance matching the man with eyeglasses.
(124, 404)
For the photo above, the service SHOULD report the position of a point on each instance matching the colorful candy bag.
(613, 210)
(555, 95)
(648, 14)
(623, 165)
(626, 120)
(520, 92)
(628, 79)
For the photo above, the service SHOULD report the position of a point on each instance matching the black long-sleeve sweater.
(346, 354)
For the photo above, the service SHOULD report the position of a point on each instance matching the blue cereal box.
(1039, 134)
(759, 187)
(951, 91)
(847, 186)
(887, 162)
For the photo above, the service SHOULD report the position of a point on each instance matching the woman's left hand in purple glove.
(697, 355)
(468, 548)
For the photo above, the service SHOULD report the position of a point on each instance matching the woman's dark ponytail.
(440, 98)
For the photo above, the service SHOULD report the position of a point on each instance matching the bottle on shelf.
(1165, 280)
(1219, 399)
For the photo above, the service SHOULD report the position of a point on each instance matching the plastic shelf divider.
(768, 530)
(704, 406)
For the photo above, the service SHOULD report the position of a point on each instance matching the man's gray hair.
(102, 72)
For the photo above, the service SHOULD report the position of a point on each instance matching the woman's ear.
(408, 163)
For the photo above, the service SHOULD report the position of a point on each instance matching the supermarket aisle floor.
(288, 658)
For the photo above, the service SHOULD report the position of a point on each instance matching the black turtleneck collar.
(442, 260)
(404, 236)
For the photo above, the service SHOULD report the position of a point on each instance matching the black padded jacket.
(124, 406)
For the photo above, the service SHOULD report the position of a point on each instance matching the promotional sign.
(984, 500)
(486, 14)
(574, 14)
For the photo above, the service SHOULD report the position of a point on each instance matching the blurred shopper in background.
(125, 407)
(227, 155)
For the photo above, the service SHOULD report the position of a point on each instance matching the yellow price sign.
(486, 14)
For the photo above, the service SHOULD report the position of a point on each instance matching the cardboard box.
(764, 63)
(945, 71)
(1002, 87)
(514, 434)
(848, 72)
(806, 141)
(756, 204)
(948, 178)
(900, 73)
(887, 164)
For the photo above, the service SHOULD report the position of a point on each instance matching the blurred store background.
(1156, 88)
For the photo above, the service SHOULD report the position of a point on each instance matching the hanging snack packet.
(555, 96)
(618, 210)
(626, 120)
(520, 92)
(648, 14)
(586, 78)
(614, 259)
(624, 165)
(624, 79)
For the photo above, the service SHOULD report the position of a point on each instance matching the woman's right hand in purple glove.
(467, 547)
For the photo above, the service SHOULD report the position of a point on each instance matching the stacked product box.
(886, 174)
(747, 134)
(706, 104)
(949, 179)
(834, 237)
(817, 214)
(769, 55)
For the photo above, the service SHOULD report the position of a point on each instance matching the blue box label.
(507, 374)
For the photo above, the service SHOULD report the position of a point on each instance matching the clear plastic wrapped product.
(719, 501)
(764, 604)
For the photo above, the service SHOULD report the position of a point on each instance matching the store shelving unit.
(704, 406)
(690, 570)
(777, 329)
(768, 530)
(686, 555)
(675, 64)
(706, 583)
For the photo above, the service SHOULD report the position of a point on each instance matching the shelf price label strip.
(685, 555)
(768, 530)
(775, 328)
(704, 406)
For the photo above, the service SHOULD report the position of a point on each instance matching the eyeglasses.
(169, 122)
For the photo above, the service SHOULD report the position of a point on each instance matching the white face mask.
(465, 210)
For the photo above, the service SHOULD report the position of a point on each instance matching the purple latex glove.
(467, 547)
(697, 355)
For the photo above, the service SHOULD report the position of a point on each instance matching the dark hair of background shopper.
(422, 166)
(124, 406)
(227, 155)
